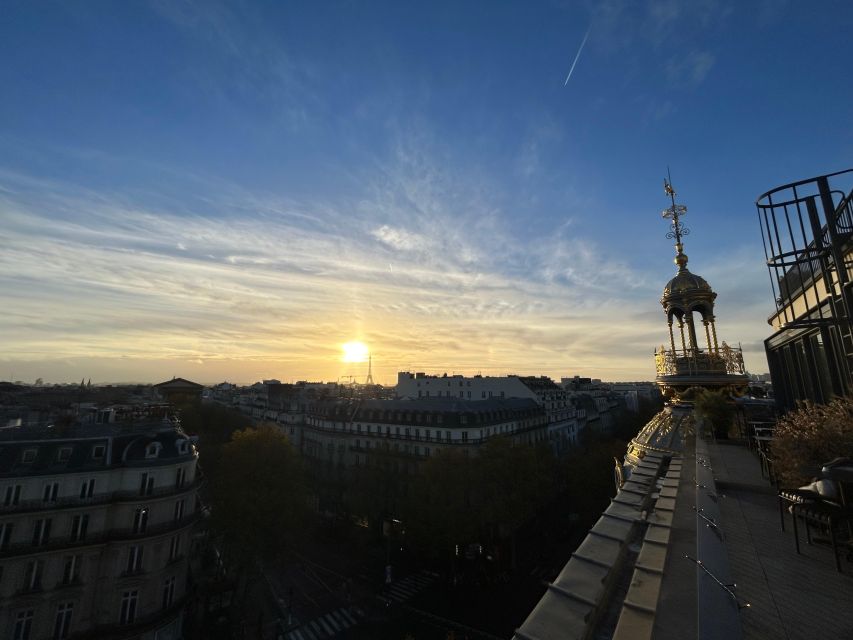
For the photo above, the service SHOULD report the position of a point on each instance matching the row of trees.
(260, 489)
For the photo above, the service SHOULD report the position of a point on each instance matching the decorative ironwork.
(679, 362)
(674, 213)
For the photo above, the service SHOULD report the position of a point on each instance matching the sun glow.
(355, 352)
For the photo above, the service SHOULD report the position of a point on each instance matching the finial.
(677, 229)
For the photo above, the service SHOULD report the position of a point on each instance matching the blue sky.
(232, 190)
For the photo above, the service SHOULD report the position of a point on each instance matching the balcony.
(75, 502)
(693, 362)
(680, 369)
(99, 538)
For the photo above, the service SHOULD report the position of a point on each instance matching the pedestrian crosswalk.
(328, 625)
(408, 587)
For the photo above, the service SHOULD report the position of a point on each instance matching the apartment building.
(349, 433)
(95, 529)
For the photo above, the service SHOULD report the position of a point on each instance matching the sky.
(234, 190)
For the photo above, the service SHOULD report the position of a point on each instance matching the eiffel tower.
(369, 370)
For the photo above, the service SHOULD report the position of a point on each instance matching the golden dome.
(685, 283)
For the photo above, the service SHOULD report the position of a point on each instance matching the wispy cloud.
(690, 69)
(266, 286)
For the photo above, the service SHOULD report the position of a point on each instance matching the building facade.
(349, 433)
(565, 420)
(95, 529)
(807, 227)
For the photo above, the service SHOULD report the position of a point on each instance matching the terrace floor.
(792, 596)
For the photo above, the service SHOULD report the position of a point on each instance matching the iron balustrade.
(695, 362)
(72, 502)
(55, 543)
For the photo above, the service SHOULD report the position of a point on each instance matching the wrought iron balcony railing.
(55, 543)
(74, 502)
(695, 362)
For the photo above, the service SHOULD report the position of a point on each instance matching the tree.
(805, 439)
(258, 492)
(512, 482)
(439, 512)
(715, 407)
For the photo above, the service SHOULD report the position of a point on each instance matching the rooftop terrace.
(636, 574)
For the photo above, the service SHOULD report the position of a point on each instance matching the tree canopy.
(259, 493)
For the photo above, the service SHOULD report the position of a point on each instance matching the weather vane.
(674, 213)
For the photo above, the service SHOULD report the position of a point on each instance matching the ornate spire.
(677, 229)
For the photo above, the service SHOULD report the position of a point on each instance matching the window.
(51, 491)
(174, 547)
(134, 558)
(64, 454)
(62, 626)
(447, 435)
(32, 575)
(71, 569)
(464, 436)
(140, 520)
(180, 477)
(13, 495)
(182, 446)
(28, 456)
(98, 451)
(484, 394)
(426, 451)
(79, 525)
(5, 534)
(23, 625)
(87, 489)
(168, 592)
(41, 532)
(469, 395)
(152, 450)
(127, 613)
(146, 484)
(179, 510)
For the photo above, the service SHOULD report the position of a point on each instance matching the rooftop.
(636, 574)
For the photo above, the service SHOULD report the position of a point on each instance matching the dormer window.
(98, 451)
(64, 454)
(182, 445)
(152, 450)
(28, 456)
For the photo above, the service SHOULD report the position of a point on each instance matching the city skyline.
(213, 192)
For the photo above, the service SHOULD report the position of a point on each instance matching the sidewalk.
(792, 596)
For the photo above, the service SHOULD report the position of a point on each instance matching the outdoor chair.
(826, 515)
(790, 500)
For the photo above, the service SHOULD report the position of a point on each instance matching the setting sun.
(355, 352)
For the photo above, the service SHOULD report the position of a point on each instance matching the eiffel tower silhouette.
(369, 370)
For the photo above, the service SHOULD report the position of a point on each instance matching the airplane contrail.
(577, 56)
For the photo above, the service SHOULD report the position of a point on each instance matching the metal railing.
(694, 362)
(71, 502)
(97, 538)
